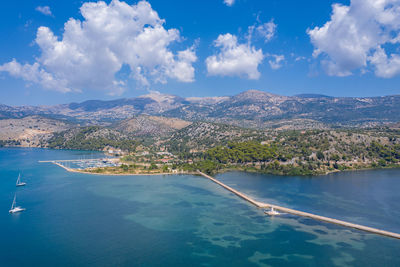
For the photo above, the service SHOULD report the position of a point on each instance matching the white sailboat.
(14, 207)
(272, 212)
(19, 183)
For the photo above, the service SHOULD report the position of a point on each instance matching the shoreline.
(121, 174)
(222, 171)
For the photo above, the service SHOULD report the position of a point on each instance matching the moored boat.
(14, 207)
(19, 183)
(271, 212)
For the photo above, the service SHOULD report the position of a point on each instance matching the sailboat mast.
(14, 201)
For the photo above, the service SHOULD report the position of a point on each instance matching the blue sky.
(196, 48)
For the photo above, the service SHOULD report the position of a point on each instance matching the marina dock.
(301, 213)
(83, 163)
(75, 160)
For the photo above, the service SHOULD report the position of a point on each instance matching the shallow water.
(370, 198)
(76, 219)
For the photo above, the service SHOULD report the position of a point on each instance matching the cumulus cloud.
(267, 30)
(35, 74)
(45, 10)
(355, 37)
(234, 59)
(276, 61)
(386, 67)
(229, 2)
(92, 52)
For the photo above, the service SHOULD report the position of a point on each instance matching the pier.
(301, 213)
(64, 167)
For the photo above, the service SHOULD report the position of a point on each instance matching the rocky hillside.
(150, 125)
(30, 131)
(263, 110)
(200, 136)
(254, 109)
(92, 138)
(36, 131)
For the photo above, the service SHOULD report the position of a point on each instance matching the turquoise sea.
(87, 220)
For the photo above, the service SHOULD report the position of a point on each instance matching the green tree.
(320, 155)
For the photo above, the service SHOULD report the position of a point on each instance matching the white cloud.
(299, 58)
(35, 74)
(276, 61)
(267, 30)
(229, 2)
(45, 10)
(385, 67)
(355, 35)
(234, 59)
(91, 52)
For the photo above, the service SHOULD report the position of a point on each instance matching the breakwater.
(301, 213)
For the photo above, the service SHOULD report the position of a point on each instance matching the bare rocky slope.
(150, 125)
(31, 131)
(252, 108)
(37, 131)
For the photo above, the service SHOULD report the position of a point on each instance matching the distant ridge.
(313, 96)
(254, 109)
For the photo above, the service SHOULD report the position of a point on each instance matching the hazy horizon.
(156, 92)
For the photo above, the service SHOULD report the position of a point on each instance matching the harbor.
(82, 164)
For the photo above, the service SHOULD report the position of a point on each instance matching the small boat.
(19, 183)
(14, 207)
(271, 212)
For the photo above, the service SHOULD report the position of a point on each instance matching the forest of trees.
(294, 155)
(236, 152)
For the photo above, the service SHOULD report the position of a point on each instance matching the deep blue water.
(80, 220)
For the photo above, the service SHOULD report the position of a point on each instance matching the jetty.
(301, 213)
(64, 167)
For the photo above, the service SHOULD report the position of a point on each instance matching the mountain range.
(252, 109)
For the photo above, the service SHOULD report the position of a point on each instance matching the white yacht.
(19, 183)
(14, 207)
(271, 212)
